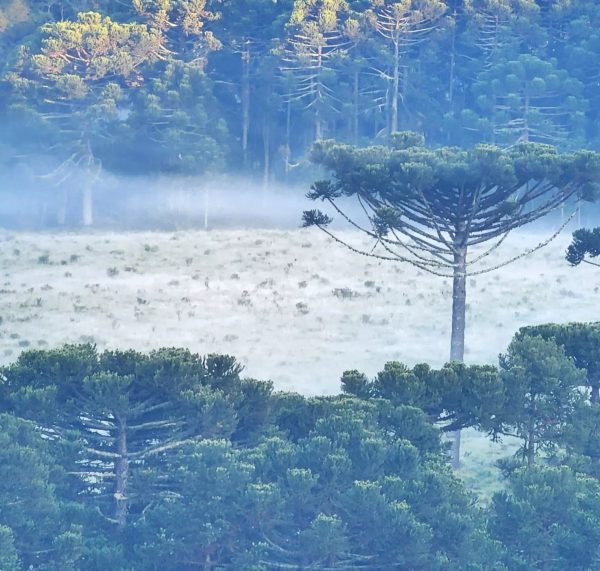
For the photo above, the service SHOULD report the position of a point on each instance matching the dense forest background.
(202, 87)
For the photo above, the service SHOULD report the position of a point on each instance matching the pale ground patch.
(290, 305)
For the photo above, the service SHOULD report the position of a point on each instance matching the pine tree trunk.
(457, 341)
(267, 154)
(459, 298)
(530, 450)
(122, 476)
(288, 131)
(61, 213)
(395, 88)
(452, 64)
(355, 104)
(245, 101)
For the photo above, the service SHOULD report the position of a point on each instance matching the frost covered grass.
(290, 305)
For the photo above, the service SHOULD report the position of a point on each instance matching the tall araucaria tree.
(78, 82)
(127, 411)
(430, 207)
(401, 25)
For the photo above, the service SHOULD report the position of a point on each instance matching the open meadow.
(292, 306)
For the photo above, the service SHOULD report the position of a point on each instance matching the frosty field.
(290, 305)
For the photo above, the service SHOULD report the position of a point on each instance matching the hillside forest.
(203, 87)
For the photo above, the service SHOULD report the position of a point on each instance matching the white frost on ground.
(290, 305)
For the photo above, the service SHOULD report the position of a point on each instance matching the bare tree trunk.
(318, 125)
(452, 63)
(288, 131)
(61, 214)
(355, 109)
(530, 450)
(457, 342)
(267, 154)
(88, 205)
(245, 100)
(459, 298)
(122, 476)
(395, 88)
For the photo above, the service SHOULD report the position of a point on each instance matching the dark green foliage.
(172, 126)
(585, 243)
(35, 526)
(9, 559)
(127, 410)
(581, 440)
(458, 395)
(581, 342)
(170, 461)
(548, 520)
(541, 393)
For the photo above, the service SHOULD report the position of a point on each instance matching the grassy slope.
(289, 304)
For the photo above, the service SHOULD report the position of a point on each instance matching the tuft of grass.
(244, 300)
(344, 293)
(302, 308)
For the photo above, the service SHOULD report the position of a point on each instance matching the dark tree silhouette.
(585, 243)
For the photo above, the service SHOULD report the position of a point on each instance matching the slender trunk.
(318, 125)
(288, 131)
(494, 120)
(318, 96)
(452, 64)
(245, 101)
(459, 297)
(530, 447)
(61, 214)
(122, 476)
(267, 154)
(355, 109)
(88, 205)
(525, 136)
(457, 342)
(395, 88)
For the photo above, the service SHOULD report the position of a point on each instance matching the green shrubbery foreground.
(170, 461)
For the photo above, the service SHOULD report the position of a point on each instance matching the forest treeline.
(204, 86)
(172, 461)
